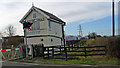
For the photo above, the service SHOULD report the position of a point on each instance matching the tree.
(92, 35)
(10, 30)
(98, 36)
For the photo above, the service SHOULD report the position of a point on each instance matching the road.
(9, 64)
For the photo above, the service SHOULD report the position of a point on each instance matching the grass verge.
(91, 61)
(88, 60)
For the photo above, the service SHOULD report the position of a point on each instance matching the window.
(49, 25)
(36, 26)
(34, 15)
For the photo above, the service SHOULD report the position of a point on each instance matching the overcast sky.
(70, 11)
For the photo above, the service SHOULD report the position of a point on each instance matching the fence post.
(69, 48)
(52, 51)
(105, 50)
(66, 53)
(85, 53)
(72, 47)
(48, 51)
(60, 49)
(12, 52)
(32, 51)
(43, 51)
(21, 51)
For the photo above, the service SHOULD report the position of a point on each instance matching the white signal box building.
(47, 29)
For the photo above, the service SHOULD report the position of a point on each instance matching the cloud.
(80, 11)
(60, 0)
(69, 11)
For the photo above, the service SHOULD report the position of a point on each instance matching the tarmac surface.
(11, 64)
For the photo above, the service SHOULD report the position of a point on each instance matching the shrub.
(113, 47)
(97, 42)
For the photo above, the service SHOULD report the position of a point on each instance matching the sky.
(92, 15)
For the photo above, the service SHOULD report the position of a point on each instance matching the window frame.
(35, 25)
(49, 25)
(33, 15)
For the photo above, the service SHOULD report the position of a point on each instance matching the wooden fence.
(50, 52)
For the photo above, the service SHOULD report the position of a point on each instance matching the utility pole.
(113, 20)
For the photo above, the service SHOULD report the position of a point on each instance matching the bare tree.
(10, 30)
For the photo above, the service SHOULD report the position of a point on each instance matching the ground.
(92, 60)
(14, 64)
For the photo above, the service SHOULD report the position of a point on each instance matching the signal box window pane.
(35, 26)
(49, 25)
(34, 15)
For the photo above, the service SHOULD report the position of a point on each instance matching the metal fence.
(8, 54)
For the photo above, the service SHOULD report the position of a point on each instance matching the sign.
(26, 24)
(38, 19)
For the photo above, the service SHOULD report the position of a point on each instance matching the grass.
(99, 60)
(93, 60)
(89, 60)
(70, 61)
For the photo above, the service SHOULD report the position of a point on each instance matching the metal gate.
(8, 54)
(37, 50)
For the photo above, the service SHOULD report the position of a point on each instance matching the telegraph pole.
(113, 20)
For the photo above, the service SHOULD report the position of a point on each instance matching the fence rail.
(50, 52)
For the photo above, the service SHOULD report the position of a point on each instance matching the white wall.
(43, 25)
(55, 42)
(56, 29)
(37, 40)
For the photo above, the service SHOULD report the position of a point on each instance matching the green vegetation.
(97, 42)
(112, 45)
(89, 60)
(112, 51)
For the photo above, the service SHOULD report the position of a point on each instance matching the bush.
(82, 42)
(113, 47)
(97, 42)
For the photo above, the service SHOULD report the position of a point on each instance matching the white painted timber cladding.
(37, 40)
(43, 25)
(55, 42)
(56, 30)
